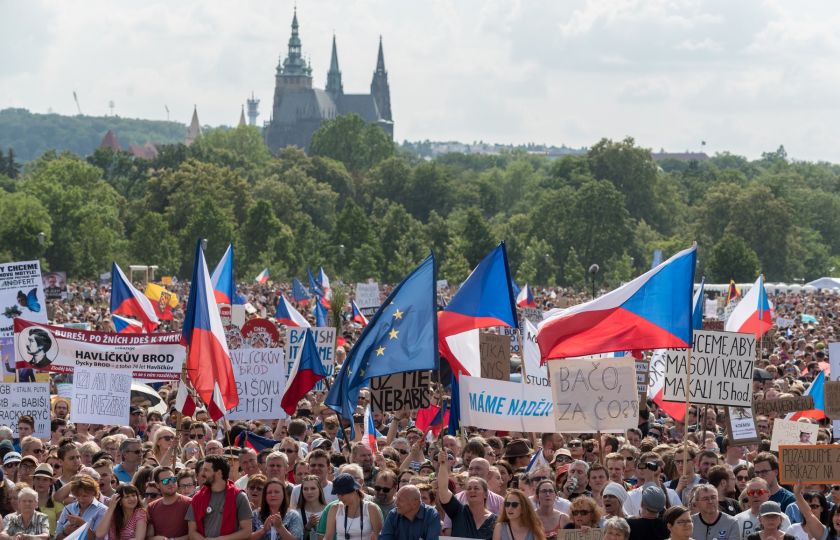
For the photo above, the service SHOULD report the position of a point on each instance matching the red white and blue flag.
(817, 391)
(525, 298)
(249, 439)
(306, 372)
(287, 314)
(223, 285)
(753, 314)
(651, 312)
(299, 292)
(124, 325)
(358, 316)
(185, 403)
(127, 300)
(369, 437)
(324, 282)
(262, 277)
(208, 360)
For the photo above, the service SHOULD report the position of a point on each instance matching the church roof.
(362, 104)
(110, 141)
(194, 131)
(310, 103)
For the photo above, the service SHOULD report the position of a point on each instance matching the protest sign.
(324, 341)
(33, 399)
(101, 396)
(720, 370)
(809, 464)
(740, 425)
(21, 295)
(831, 396)
(535, 373)
(55, 285)
(367, 298)
(581, 534)
(834, 375)
(782, 406)
(260, 334)
(782, 322)
(260, 380)
(535, 315)
(594, 395)
(495, 356)
(792, 432)
(441, 285)
(399, 392)
(503, 405)
(149, 357)
(642, 377)
(513, 335)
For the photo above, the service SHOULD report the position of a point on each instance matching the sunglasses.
(289, 450)
(575, 445)
(757, 492)
(580, 512)
(744, 478)
(381, 489)
(150, 494)
(511, 504)
(167, 481)
(651, 466)
(194, 436)
(37, 451)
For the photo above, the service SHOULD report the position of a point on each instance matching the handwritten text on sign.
(17, 399)
(495, 356)
(260, 380)
(809, 464)
(408, 391)
(324, 341)
(720, 371)
(594, 395)
(101, 396)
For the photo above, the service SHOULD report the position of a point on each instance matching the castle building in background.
(299, 109)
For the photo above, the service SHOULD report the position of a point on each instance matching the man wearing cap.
(648, 525)
(410, 519)
(11, 463)
(137, 420)
(710, 522)
(758, 494)
(517, 453)
(613, 497)
(219, 508)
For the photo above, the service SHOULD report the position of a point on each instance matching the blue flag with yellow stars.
(401, 336)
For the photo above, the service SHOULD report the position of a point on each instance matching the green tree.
(152, 243)
(630, 169)
(732, 258)
(477, 238)
(24, 218)
(241, 149)
(765, 221)
(210, 221)
(262, 233)
(538, 265)
(352, 141)
(574, 274)
(602, 227)
(366, 262)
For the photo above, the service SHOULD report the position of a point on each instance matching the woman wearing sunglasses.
(164, 445)
(585, 513)
(815, 516)
(518, 520)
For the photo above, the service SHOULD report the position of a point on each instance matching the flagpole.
(687, 405)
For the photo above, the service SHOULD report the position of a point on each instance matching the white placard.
(534, 373)
(101, 396)
(260, 380)
(513, 334)
(21, 295)
(592, 395)
(324, 341)
(367, 297)
(793, 432)
(535, 315)
(642, 368)
(18, 399)
(721, 370)
(742, 426)
(503, 405)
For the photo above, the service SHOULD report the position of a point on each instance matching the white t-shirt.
(328, 495)
(748, 523)
(633, 504)
(560, 504)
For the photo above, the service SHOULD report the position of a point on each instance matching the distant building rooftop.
(679, 156)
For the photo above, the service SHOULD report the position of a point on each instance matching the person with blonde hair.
(585, 513)
(518, 520)
(163, 445)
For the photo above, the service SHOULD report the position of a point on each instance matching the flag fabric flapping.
(163, 301)
(124, 325)
(321, 315)
(224, 286)
(184, 401)
(299, 293)
(650, 312)
(306, 372)
(249, 439)
(208, 360)
(287, 314)
(698, 306)
(127, 300)
(324, 283)
(514, 288)
(432, 418)
(525, 298)
(732, 293)
(369, 438)
(314, 288)
(262, 277)
(753, 314)
(817, 391)
(358, 316)
(401, 336)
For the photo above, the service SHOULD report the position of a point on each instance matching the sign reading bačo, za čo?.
(720, 371)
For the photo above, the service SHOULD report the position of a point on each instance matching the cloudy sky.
(744, 76)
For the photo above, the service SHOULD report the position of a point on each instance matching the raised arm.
(810, 523)
(444, 495)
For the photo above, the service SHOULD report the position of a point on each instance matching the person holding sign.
(518, 521)
(470, 520)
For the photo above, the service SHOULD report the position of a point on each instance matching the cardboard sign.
(503, 405)
(324, 340)
(719, 373)
(740, 424)
(101, 396)
(592, 395)
(33, 399)
(407, 391)
(792, 432)
(580, 534)
(809, 464)
(831, 395)
(495, 356)
(21, 295)
(260, 381)
(367, 297)
(782, 406)
(146, 357)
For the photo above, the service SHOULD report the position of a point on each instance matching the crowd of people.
(166, 477)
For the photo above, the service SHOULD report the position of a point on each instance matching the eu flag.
(401, 336)
(314, 288)
(320, 314)
(299, 292)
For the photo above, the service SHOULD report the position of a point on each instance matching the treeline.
(362, 209)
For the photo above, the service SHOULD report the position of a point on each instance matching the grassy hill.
(30, 135)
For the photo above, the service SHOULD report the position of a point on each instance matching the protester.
(352, 516)
(471, 519)
(552, 520)
(219, 508)
(585, 513)
(616, 528)
(648, 525)
(709, 521)
(410, 519)
(27, 523)
(85, 510)
(518, 521)
(125, 518)
(167, 515)
(770, 518)
(679, 523)
(310, 504)
(274, 517)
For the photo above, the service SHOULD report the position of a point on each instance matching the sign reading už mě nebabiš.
(719, 372)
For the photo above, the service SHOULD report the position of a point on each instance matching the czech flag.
(369, 438)
(223, 286)
(126, 300)
(816, 390)
(124, 325)
(753, 314)
(184, 401)
(299, 292)
(324, 282)
(358, 316)
(208, 360)
(432, 418)
(306, 372)
(262, 277)
(525, 298)
(288, 315)
(651, 312)
(249, 439)
(698, 306)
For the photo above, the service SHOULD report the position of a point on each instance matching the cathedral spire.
(242, 117)
(379, 87)
(294, 64)
(334, 85)
(194, 131)
(380, 59)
